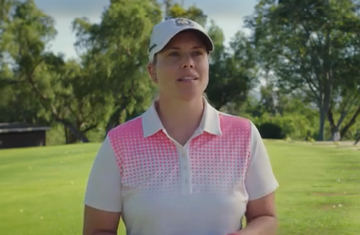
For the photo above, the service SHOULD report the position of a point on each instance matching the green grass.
(314, 181)
(42, 189)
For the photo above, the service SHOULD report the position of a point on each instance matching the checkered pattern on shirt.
(151, 165)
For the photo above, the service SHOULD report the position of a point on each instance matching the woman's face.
(181, 70)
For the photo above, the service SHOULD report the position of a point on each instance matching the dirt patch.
(334, 194)
(348, 147)
(342, 144)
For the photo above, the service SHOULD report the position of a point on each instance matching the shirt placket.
(185, 169)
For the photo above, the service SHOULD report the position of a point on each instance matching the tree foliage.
(305, 53)
(305, 43)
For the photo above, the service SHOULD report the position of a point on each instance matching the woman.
(182, 167)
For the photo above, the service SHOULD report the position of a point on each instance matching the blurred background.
(72, 70)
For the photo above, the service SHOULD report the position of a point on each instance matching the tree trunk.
(331, 121)
(46, 102)
(115, 116)
(333, 127)
(327, 83)
(351, 122)
(66, 134)
(74, 132)
(322, 124)
(113, 120)
(71, 138)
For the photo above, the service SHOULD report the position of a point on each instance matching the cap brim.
(207, 40)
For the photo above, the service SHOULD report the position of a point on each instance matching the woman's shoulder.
(236, 121)
(126, 127)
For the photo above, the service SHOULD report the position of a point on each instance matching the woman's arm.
(261, 217)
(261, 185)
(103, 194)
(98, 222)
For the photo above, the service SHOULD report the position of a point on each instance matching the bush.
(271, 131)
(56, 135)
(295, 126)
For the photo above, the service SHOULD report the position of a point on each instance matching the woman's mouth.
(187, 79)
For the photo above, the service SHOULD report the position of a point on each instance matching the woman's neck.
(180, 118)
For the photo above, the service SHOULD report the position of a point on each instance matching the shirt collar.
(151, 122)
(210, 121)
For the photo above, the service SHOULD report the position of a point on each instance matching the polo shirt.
(163, 188)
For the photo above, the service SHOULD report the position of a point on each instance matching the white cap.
(164, 31)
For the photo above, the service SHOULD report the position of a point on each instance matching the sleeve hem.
(102, 208)
(265, 192)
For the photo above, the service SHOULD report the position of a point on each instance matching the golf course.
(42, 189)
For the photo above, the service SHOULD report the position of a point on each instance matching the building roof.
(21, 127)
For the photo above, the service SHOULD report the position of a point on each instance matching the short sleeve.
(103, 189)
(259, 179)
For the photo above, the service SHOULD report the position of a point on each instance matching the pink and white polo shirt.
(163, 188)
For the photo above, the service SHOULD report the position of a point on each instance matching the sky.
(228, 14)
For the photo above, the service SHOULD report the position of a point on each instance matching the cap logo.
(152, 47)
(183, 22)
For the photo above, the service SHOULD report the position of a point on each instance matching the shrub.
(271, 131)
(294, 126)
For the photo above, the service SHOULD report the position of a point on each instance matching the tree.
(232, 72)
(303, 42)
(167, 4)
(268, 99)
(25, 32)
(61, 88)
(117, 48)
(5, 8)
(217, 36)
(346, 101)
(192, 13)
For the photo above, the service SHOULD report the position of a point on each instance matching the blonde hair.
(154, 60)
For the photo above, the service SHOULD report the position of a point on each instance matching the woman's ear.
(152, 72)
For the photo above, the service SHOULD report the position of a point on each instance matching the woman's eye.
(174, 53)
(197, 53)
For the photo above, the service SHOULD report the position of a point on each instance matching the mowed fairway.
(42, 189)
